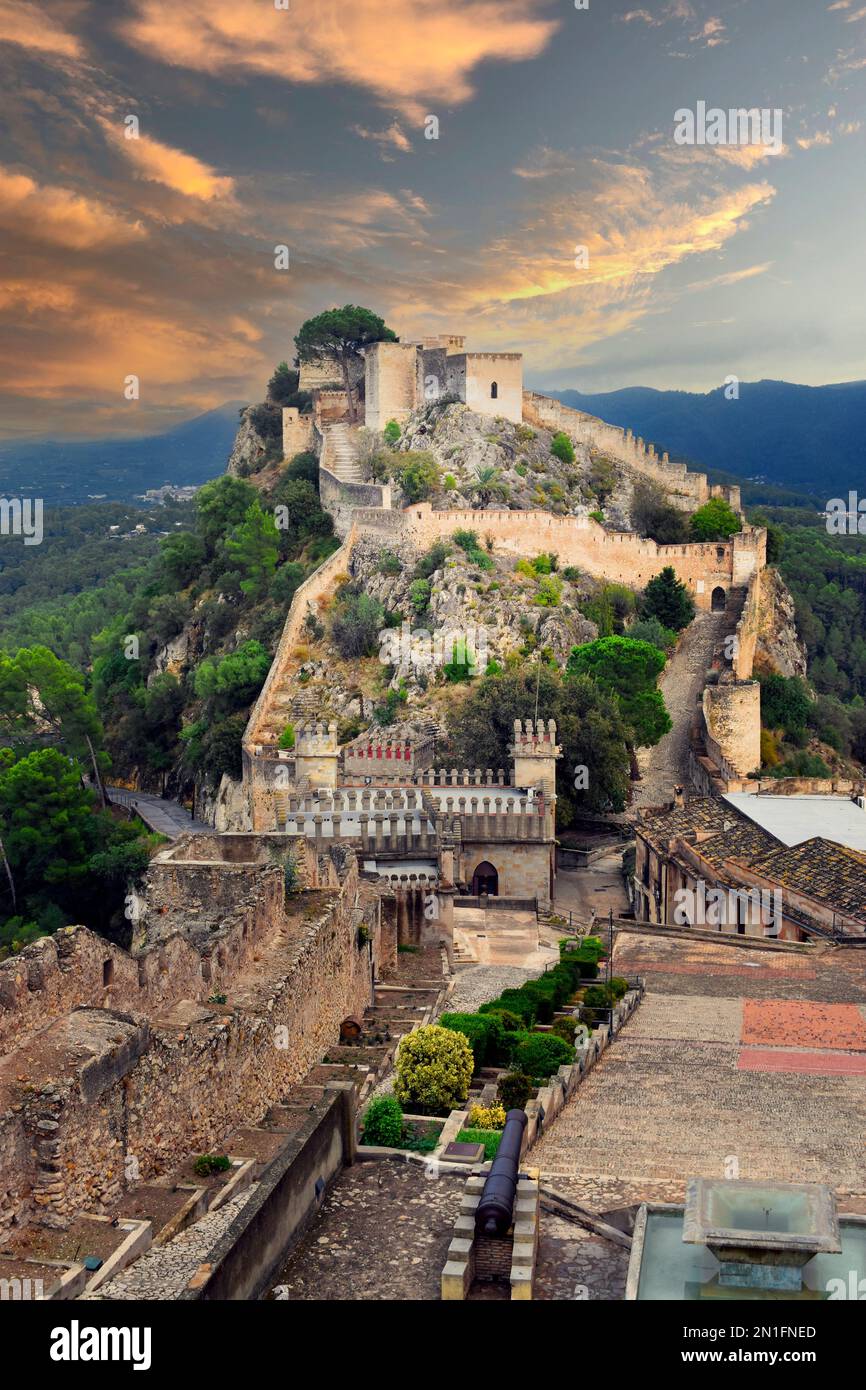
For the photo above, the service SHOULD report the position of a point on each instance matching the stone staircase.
(340, 453)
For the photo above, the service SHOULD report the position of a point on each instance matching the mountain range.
(805, 437)
(74, 472)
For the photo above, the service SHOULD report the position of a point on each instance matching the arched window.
(494, 390)
(718, 599)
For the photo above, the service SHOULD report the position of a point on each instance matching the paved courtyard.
(736, 1055)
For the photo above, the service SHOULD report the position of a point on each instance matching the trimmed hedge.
(539, 1055)
(484, 1032)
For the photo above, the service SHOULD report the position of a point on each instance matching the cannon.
(495, 1209)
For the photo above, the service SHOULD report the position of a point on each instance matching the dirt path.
(666, 766)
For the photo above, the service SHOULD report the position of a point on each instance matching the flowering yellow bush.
(486, 1117)
(434, 1069)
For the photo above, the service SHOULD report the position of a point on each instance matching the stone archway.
(485, 880)
(718, 600)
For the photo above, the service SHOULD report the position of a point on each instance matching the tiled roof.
(821, 869)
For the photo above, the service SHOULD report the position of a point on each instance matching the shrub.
(486, 1117)
(490, 1138)
(565, 1028)
(287, 737)
(562, 448)
(419, 594)
(618, 987)
(511, 1022)
(433, 560)
(391, 432)
(390, 563)
(518, 1002)
(383, 1122)
(418, 474)
(356, 624)
(485, 1033)
(514, 1090)
(434, 1069)
(206, 1164)
(540, 1054)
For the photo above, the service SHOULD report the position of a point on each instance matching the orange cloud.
(32, 28)
(59, 216)
(174, 168)
(405, 51)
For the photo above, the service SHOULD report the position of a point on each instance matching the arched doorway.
(719, 599)
(485, 880)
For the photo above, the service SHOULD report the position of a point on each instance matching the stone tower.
(316, 755)
(535, 751)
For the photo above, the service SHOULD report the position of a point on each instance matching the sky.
(154, 153)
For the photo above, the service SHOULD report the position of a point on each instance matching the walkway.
(682, 681)
(166, 817)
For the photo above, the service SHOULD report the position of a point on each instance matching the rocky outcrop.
(259, 436)
(779, 647)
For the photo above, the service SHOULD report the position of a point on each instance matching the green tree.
(716, 520)
(590, 729)
(341, 334)
(418, 474)
(667, 598)
(181, 557)
(234, 680)
(57, 698)
(357, 622)
(654, 516)
(252, 548)
(785, 703)
(629, 670)
(220, 505)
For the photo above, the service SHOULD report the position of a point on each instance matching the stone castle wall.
(121, 1082)
(687, 490)
(577, 540)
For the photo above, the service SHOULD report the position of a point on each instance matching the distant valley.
(77, 472)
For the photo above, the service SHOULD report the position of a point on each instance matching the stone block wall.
(688, 490)
(732, 716)
(297, 431)
(577, 540)
(505, 371)
(390, 383)
(96, 1095)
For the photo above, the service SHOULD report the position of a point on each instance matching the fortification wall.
(732, 717)
(688, 490)
(76, 969)
(297, 432)
(577, 540)
(315, 587)
(102, 1095)
(342, 499)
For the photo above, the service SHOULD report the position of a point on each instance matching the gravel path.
(478, 983)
